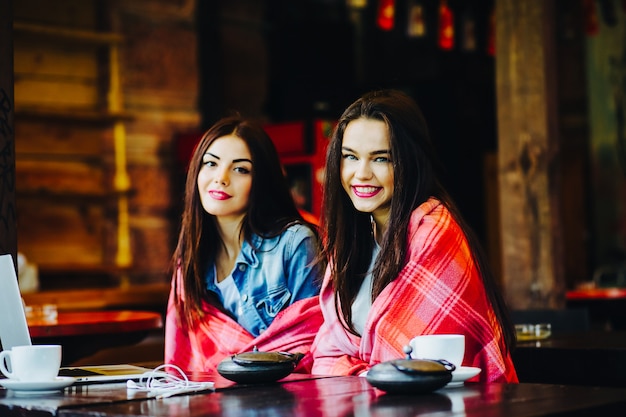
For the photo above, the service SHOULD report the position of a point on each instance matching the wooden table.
(606, 306)
(596, 294)
(84, 333)
(151, 297)
(594, 358)
(332, 396)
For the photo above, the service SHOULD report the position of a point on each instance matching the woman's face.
(225, 177)
(366, 167)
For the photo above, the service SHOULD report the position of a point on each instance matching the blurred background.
(111, 96)
(174, 67)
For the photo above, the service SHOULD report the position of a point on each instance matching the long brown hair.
(271, 209)
(348, 241)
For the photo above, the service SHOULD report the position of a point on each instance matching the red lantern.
(446, 26)
(386, 14)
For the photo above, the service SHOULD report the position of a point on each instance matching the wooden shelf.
(78, 115)
(94, 196)
(82, 182)
(73, 35)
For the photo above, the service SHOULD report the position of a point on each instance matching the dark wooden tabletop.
(596, 293)
(95, 322)
(590, 342)
(83, 333)
(330, 396)
(594, 358)
(606, 306)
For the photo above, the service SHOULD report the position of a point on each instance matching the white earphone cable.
(161, 384)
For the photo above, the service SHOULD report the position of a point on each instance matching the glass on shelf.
(41, 313)
(529, 332)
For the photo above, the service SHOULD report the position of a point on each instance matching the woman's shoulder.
(301, 230)
(430, 210)
(429, 222)
(288, 241)
(293, 232)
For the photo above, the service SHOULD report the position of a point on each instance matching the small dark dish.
(255, 367)
(410, 376)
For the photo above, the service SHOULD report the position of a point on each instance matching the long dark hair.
(348, 241)
(271, 208)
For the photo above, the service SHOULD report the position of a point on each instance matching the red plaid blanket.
(204, 344)
(438, 291)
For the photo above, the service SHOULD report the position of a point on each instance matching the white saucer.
(38, 387)
(462, 374)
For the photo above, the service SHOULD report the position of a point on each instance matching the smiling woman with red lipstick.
(244, 271)
(401, 260)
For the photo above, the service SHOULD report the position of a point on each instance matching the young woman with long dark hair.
(402, 260)
(243, 268)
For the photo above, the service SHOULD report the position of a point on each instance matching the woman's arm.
(329, 359)
(303, 275)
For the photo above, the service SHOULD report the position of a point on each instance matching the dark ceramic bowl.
(410, 376)
(256, 367)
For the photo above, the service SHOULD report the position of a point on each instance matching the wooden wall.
(543, 144)
(105, 72)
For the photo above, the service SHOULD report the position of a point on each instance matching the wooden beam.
(8, 213)
(527, 154)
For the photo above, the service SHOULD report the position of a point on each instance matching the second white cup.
(450, 347)
(31, 363)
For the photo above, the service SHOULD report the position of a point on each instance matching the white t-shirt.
(229, 295)
(363, 301)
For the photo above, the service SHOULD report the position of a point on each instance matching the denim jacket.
(271, 274)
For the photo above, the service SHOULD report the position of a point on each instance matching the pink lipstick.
(365, 191)
(219, 195)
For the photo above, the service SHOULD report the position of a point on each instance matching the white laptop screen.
(13, 326)
(14, 332)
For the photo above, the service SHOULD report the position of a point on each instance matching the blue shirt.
(271, 274)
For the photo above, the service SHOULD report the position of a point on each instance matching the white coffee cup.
(450, 347)
(31, 363)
